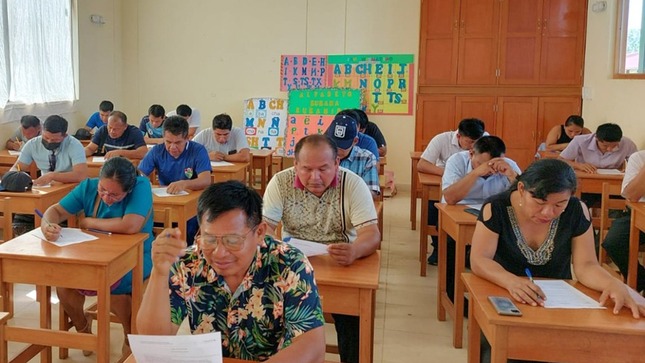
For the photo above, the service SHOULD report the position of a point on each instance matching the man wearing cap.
(318, 200)
(344, 131)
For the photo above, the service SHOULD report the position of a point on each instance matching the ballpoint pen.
(529, 274)
(99, 231)
(40, 214)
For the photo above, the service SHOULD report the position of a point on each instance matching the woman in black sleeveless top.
(560, 136)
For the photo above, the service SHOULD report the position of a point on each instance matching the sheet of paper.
(68, 236)
(215, 164)
(98, 159)
(561, 295)
(309, 248)
(163, 192)
(48, 185)
(150, 146)
(14, 152)
(198, 348)
(609, 171)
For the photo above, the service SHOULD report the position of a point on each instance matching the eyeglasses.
(104, 192)
(52, 161)
(232, 242)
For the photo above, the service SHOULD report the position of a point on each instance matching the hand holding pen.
(167, 248)
(535, 294)
(51, 231)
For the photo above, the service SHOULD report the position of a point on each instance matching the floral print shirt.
(277, 301)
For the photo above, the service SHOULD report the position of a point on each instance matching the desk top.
(583, 175)
(429, 179)
(5, 157)
(363, 273)
(415, 155)
(177, 199)
(580, 319)
(97, 252)
(640, 206)
(230, 168)
(37, 192)
(262, 152)
(456, 213)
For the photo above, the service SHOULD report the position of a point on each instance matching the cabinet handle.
(456, 24)
(463, 23)
(533, 135)
(539, 24)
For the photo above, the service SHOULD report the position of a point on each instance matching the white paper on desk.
(215, 164)
(48, 185)
(561, 295)
(609, 171)
(98, 159)
(198, 348)
(150, 146)
(69, 236)
(309, 248)
(14, 152)
(163, 192)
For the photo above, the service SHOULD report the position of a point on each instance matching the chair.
(608, 204)
(162, 219)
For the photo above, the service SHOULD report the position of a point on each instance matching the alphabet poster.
(302, 72)
(311, 112)
(388, 80)
(265, 120)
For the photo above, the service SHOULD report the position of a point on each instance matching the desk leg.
(474, 333)
(366, 319)
(43, 294)
(634, 236)
(460, 263)
(499, 345)
(423, 231)
(413, 196)
(103, 318)
(443, 256)
(183, 221)
(137, 287)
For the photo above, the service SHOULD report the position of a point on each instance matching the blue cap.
(343, 131)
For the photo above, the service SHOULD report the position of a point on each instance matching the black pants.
(450, 270)
(347, 330)
(433, 220)
(617, 246)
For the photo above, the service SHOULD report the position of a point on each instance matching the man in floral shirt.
(258, 292)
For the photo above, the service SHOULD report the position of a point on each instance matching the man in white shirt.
(224, 142)
(192, 115)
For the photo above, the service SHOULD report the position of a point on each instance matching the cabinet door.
(553, 111)
(563, 34)
(435, 114)
(438, 41)
(478, 38)
(481, 107)
(520, 34)
(517, 125)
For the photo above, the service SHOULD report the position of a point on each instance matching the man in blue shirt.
(151, 125)
(99, 118)
(117, 138)
(365, 142)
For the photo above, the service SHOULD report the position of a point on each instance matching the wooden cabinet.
(518, 128)
(554, 111)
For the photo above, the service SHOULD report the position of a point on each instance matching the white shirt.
(635, 163)
(195, 118)
(441, 147)
(236, 141)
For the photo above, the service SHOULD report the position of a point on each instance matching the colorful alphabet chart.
(388, 80)
(265, 120)
(311, 112)
(302, 72)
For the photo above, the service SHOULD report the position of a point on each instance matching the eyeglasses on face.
(232, 242)
(106, 193)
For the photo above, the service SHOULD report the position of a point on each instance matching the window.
(630, 40)
(36, 54)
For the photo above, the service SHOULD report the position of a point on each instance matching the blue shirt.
(95, 121)
(130, 140)
(138, 201)
(192, 161)
(363, 163)
(368, 143)
(148, 130)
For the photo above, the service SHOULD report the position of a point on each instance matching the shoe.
(88, 330)
(433, 258)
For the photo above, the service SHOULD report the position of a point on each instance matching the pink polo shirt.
(584, 149)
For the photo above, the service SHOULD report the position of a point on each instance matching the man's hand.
(167, 248)
(176, 187)
(484, 169)
(45, 179)
(50, 231)
(586, 167)
(14, 145)
(501, 166)
(343, 253)
(112, 154)
(216, 156)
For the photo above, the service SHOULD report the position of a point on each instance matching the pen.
(99, 231)
(528, 273)
(40, 214)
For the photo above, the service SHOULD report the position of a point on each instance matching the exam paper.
(215, 164)
(609, 171)
(198, 348)
(309, 248)
(561, 295)
(98, 159)
(68, 236)
(14, 152)
(163, 192)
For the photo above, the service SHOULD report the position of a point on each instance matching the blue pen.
(40, 214)
(529, 274)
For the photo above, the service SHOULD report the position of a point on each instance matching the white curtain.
(4, 71)
(39, 37)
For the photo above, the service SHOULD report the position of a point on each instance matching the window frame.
(620, 49)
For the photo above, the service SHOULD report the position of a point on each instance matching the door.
(517, 125)
(554, 111)
(521, 29)
(435, 114)
(438, 42)
(478, 39)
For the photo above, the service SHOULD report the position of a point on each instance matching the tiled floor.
(406, 328)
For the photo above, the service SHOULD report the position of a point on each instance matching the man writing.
(224, 142)
(117, 138)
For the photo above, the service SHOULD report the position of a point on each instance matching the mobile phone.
(504, 306)
(472, 211)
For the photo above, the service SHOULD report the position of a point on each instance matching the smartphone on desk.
(504, 306)
(473, 211)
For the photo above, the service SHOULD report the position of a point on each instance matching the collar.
(455, 141)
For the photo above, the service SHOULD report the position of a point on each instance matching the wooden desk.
(237, 171)
(225, 360)
(7, 161)
(351, 290)
(562, 335)
(381, 165)
(592, 183)
(548, 154)
(93, 167)
(182, 207)
(93, 265)
(637, 225)
(459, 225)
(430, 190)
(263, 160)
(37, 198)
(415, 190)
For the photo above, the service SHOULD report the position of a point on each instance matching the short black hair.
(315, 140)
(120, 169)
(609, 132)
(362, 118)
(157, 111)
(106, 106)
(120, 115)
(575, 120)
(28, 121)
(351, 113)
(547, 176)
(222, 122)
(176, 125)
(184, 110)
(472, 128)
(55, 124)
(492, 145)
(225, 196)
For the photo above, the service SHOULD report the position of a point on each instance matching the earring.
(520, 203)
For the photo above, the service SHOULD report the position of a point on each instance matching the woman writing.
(560, 136)
(118, 201)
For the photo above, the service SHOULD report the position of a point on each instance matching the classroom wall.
(612, 100)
